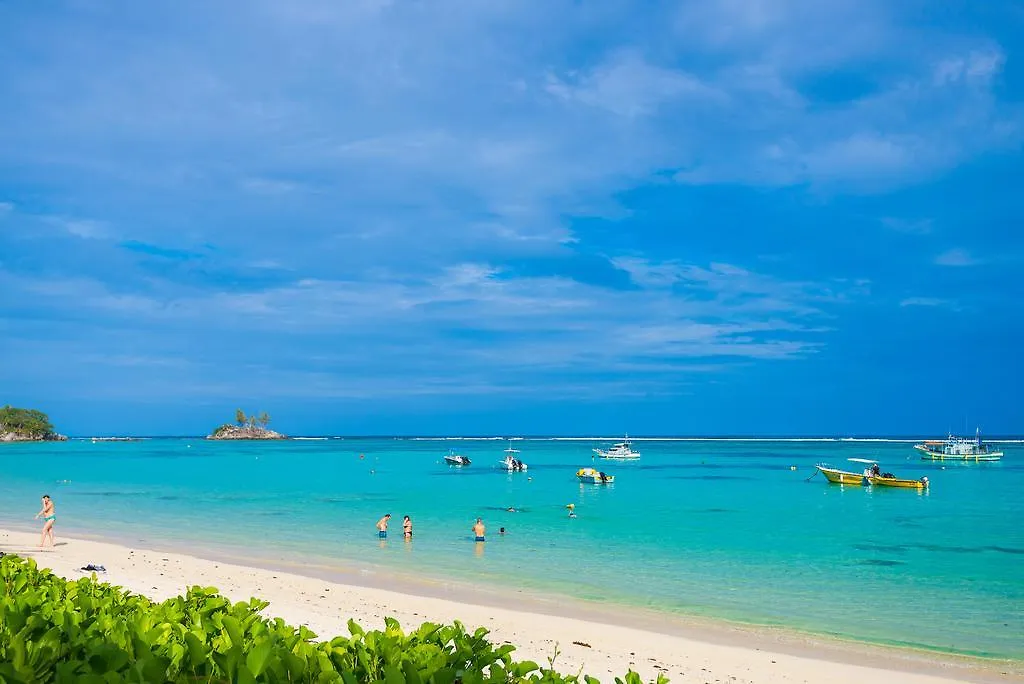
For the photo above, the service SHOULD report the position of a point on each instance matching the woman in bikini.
(407, 528)
(49, 516)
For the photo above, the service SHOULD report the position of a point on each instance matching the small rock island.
(26, 425)
(247, 427)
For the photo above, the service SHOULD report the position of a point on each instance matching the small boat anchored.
(958, 449)
(452, 458)
(872, 475)
(621, 451)
(842, 477)
(890, 480)
(594, 476)
(511, 462)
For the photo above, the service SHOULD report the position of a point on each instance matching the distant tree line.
(26, 422)
(262, 419)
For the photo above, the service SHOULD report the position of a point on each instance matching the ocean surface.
(725, 529)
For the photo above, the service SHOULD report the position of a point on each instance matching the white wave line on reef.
(694, 439)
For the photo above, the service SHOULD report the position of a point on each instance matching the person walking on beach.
(48, 513)
(382, 526)
(407, 528)
(479, 529)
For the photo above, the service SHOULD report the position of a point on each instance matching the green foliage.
(27, 422)
(55, 630)
(240, 417)
(223, 428)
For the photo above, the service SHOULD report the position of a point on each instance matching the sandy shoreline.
(686, 651)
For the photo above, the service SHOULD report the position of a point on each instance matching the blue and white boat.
(958, 449)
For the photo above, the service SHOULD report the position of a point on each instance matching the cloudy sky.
(464, 216)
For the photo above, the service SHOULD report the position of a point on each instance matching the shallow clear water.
(719, 528)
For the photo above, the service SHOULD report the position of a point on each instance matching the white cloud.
(976, 67)
(475, 320)
(908, 226)
(86, 229)
(399, 157)
(627, 85)
(956, 257)
(930, 302)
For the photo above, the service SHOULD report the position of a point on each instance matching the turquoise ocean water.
(711, 528)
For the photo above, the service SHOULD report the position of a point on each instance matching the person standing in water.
(48, 513)
(407, 528)
(382, 526)
(479, 529)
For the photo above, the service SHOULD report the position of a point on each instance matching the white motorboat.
(455, 459)
(511, 462)
(621, 451)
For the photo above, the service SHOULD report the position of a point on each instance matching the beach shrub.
(86, 631)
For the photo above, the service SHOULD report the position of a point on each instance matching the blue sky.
(715, 217)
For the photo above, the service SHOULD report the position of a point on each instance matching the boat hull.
(591, 476)
(456, 461)
(898, 483)
(843, 477)
(932, 455)
(616, 457)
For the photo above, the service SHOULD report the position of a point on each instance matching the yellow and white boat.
(843, 477)
(872, 475)
(882, 481)
(594, 476)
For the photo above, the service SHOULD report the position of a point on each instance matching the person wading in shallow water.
(48, 514)
(479, 529)
(382, 526)
(407, 528)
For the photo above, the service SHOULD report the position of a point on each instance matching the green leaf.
(393, 675)
(412, 675)
(233, 628)
(256, 660)
(198, 651)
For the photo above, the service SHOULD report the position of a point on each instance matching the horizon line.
(541, 437)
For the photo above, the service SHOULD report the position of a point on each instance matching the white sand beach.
(685, 651)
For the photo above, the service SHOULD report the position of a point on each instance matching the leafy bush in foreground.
(85, 631)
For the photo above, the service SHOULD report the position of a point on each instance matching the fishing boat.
(452, 458)
(511, 462)
(958, 449)
(888, 480)
(846, 477)
(594, 476)
(621, 451)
